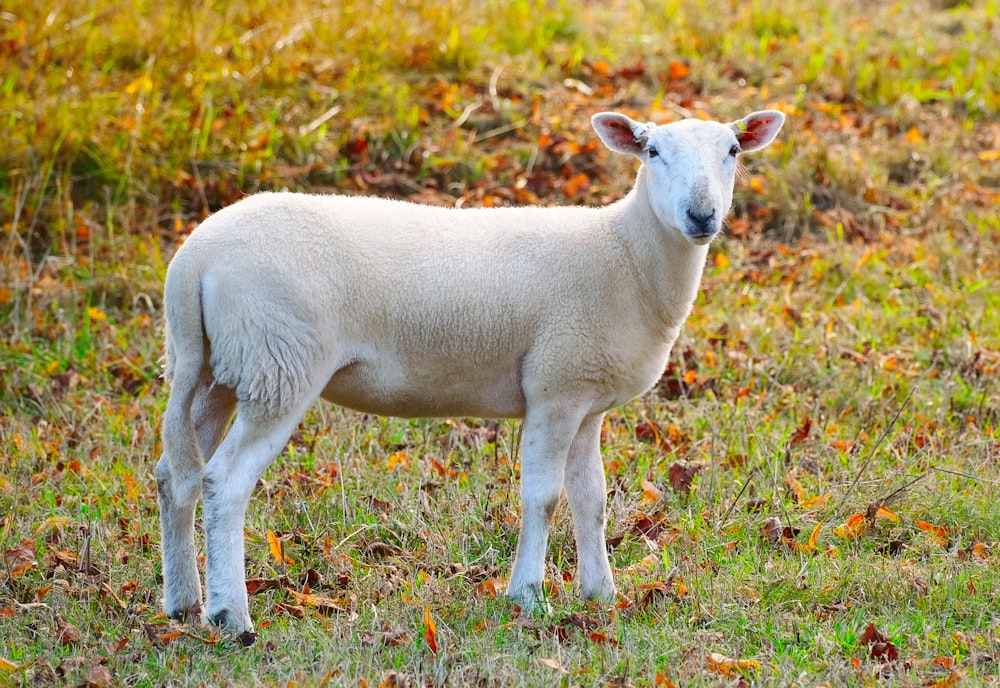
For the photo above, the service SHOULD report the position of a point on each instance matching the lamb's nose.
(701, 221)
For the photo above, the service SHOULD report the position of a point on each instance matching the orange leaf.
(914, 136)
(396, 460)
(678, 70)
(814, 537)
(430, 630)
(990, 155)
(651, 492)
(798, 494)
(491, 587)
(721, 664)
(949, 681)
(940, 531)
(319, 602)
(853, 529)
(575, 185)
(816, 502)
(277, 551)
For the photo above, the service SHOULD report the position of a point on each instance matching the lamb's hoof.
(231, 622)
(531, 601)
(188, 615)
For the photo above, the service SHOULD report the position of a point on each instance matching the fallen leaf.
(7, 665)
(681, 475)
(650, 492)
(801, 432)
(813, 540)
(321, 603)
(430, 630)
(677, 70)
(721, 664)
(492, 587)
(278, 549)
(67, 633)
(552, 664)
(394, 679)
(949, 681)
(816, 501)
(576, 185)
(939, 531)
(392, 637)
(771, 529)
(52, 522)
(853, 528)
(879, 645)
(798, 493)
(98, 676)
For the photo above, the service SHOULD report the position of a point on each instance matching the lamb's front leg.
(548, 432)
(586, 489)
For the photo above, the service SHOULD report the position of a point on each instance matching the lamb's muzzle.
(551, 315)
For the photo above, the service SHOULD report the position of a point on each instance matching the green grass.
(844, 350)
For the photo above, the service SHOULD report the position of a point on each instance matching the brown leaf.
(21, 559)
(801, 432)
(392, 637)
(396, 680)
(879, 645)
(681, 475)
(98, 676)
(772, 529)
(67, 633)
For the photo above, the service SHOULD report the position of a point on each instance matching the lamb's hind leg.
(210, 412)
(250, 447)
(586, 490)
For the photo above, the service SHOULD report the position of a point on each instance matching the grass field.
(808, 497)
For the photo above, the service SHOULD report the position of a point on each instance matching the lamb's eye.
(734, 150)
(653, 153)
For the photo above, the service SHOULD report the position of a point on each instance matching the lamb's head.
(690, 165)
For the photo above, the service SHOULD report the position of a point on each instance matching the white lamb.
(553, 315)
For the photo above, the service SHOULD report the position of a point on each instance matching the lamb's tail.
(186, 360)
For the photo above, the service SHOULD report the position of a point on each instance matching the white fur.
(554, 315)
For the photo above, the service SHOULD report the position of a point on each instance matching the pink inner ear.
(620, 133)
(757, 130)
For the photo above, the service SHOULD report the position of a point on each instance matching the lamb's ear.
(757, 129)
(620, 133)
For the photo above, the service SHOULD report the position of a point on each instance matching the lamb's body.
(424, 311)
(553, 315)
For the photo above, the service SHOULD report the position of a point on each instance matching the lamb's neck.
(666, 267)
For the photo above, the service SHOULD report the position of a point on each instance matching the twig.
(871, 455)
(736, 501)
(774, 478)
(965, 475)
